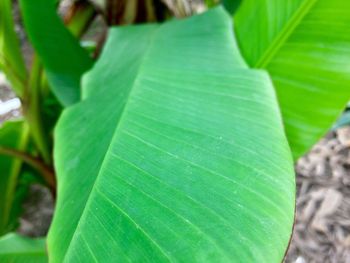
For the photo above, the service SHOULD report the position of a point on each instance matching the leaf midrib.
(137, 75)
(285, 33)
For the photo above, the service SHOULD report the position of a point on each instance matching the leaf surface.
(64, 59)
(186, 160)
(305, 46)
(17, 249)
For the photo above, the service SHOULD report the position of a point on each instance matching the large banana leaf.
(17, 249)
(64, 59)
(11, 60)
(305, 46)
(176, 153)
(14, 135)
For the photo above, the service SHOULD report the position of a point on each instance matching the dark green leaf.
(64, 59)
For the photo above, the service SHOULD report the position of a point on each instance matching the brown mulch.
(322, 229)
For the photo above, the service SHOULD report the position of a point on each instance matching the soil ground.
(322, 229)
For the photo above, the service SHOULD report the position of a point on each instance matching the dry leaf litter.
(322, 229)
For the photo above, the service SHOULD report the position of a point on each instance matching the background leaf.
(11, 60)
(17, 249)
(305, 46)
(186, 160)
(13, 134)
(64, 59)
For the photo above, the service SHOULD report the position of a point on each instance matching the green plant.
(172, 146)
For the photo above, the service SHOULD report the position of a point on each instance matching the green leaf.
(11, 60)
(64, 59)
(17, 249)
(13, 134)
(305, 46)
(186, 160)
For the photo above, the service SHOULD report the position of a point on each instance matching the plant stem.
(124, 12)
(11, 60)
(13, 179)
(16, 81)
(46, 171)
(32, 112)
(79, 17)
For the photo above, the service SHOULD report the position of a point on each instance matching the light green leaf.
(13, 134)
(64, 59)
(17, 249)
(11, 60)
(305, 46)
(186, 160)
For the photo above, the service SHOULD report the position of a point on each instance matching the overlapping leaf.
(305, 46)
(176, 154)
(17, 249)
(64, 59)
